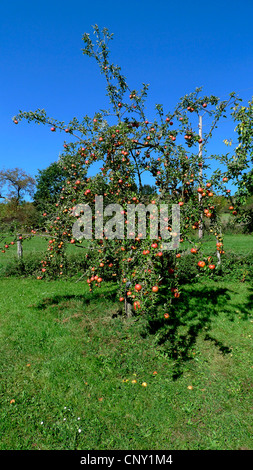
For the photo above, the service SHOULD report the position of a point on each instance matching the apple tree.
(130, 146)
(240, 162)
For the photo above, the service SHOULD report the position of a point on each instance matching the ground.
(76, 375)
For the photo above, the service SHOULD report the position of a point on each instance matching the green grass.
(239, 243)
(68, 360)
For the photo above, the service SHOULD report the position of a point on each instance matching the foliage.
(240, 163)
(187, 271)
(237, 266)
(148, 190)
(249, 215)
(13, 217)
(49, 183)
(27, 266)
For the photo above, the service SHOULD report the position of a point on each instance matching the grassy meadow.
(75, 374)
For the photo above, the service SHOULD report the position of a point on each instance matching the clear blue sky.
(173, 46)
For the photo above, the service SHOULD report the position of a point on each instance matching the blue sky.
(173, 46)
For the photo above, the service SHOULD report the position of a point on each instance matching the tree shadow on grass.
(86, 298)
(246, 309)
(190, 315)
(222, 348)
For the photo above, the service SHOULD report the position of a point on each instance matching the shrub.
(237, 266)
(29, 265)
(187, 270)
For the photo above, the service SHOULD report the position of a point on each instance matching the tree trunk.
(128, 308)
(218, 254)
(200, 179)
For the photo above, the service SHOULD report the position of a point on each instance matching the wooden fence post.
(19, 246)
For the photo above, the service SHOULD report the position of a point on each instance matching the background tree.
(22, 217)
(49, 183)
(15, 212)
(1, 191)
(18, 183)
(148, 190)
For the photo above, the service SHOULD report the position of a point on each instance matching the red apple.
(137, 304)
(138, 287)
(201, 264)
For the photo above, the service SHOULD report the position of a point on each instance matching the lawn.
(76, 375)
(239, 243)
